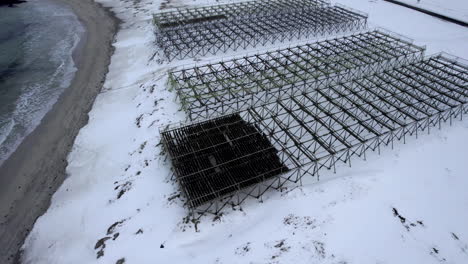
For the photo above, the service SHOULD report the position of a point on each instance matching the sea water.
(37, 40)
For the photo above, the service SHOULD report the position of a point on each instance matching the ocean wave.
(45, 70)
(5, 130)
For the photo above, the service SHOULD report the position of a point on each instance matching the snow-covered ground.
(457, 9)
(408, 205)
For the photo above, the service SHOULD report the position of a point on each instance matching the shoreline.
(36, 169)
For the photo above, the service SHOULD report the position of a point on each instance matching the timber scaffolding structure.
(223, 161)
(196, 32)
(211, 90)
(185, 16)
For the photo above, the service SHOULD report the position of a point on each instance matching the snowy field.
(457, 9)
(407, 205)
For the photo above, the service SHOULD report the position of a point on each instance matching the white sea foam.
(62, 35)
(5, 130)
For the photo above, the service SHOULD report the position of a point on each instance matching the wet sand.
(31, 175)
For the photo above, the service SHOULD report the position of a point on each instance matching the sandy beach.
(36, 169)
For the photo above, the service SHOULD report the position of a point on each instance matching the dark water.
(37, 39)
